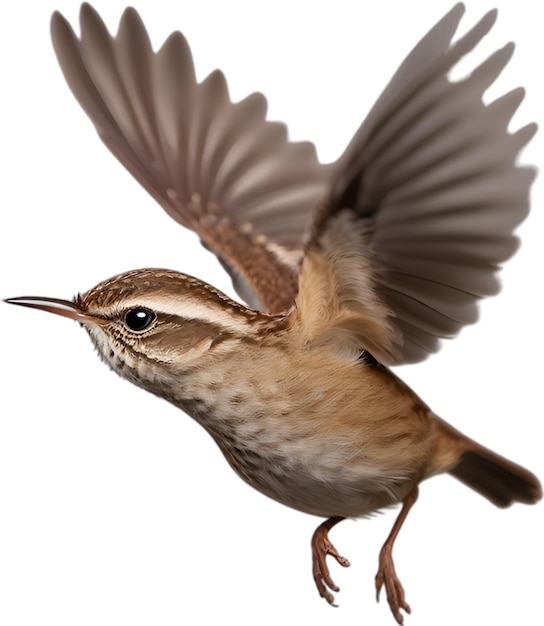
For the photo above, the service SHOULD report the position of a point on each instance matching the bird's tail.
(499, 480)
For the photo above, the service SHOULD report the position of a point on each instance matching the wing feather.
(422, 206)
(215, 166)
(431, 181)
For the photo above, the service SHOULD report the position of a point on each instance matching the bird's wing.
(425, 200)
(217, 167)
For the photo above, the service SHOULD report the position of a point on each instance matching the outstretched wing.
(216, 167)
(425, 199)
(422, 205)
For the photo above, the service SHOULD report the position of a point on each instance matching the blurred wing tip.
(130, 18)
(176, 38)
(59, 24)
(508, 50)
(308, 148)
(88, 12)
(491, 15)
(455, 13)
(526, 133)
(257, 100)
(217, 79)
(488, 20)
(131, 13)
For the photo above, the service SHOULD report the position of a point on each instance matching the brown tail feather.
(497, 479)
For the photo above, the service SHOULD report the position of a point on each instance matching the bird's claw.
(321, 547)
(393, 588)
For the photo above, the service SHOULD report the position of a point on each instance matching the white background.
(117, 509)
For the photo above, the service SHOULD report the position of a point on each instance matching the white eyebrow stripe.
(192, 309)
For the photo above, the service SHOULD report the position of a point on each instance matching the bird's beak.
(66, 308)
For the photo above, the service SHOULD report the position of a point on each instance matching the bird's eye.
(139, 319)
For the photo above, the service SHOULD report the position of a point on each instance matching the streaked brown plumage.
(350, 268)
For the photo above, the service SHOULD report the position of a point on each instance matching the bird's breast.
(338, 439)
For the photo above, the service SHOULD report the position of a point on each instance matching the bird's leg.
(386, 570)
(321, 547)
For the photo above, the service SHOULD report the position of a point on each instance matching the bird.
(347, 269)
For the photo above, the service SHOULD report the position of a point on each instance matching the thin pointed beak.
(64, 308)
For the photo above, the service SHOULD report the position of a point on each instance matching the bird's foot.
(321, 547)
(393, 588)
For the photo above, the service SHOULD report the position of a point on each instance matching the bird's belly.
(314, 448)
(325, 484)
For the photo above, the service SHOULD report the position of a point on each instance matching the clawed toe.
(386, 571)
(393, 588)
(386, 576)
(321, 547)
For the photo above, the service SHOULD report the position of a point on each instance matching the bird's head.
(152, 324)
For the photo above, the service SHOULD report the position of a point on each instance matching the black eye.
(139, 319)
